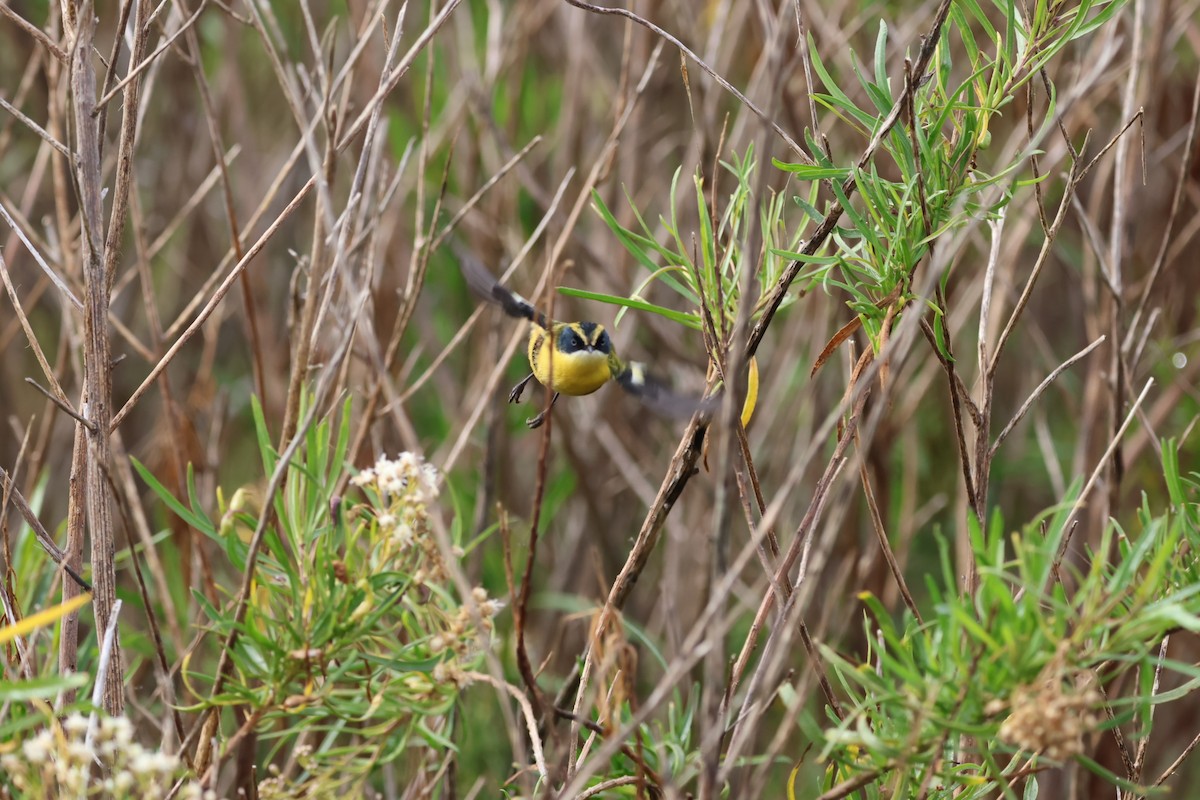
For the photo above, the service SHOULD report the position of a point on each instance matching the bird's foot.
(515, 395)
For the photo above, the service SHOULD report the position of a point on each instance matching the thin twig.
(41, 262)
(63, 405)
(1029, 401)
(1101, 465)
(683, 48)
(1139, 760)
(604, 786)
(996, 226)
(149, 60)
(39, 531)
(1183, 180)
(33, 126)
(958, 399)
(1178, 762)
(35, 32)
(27, 329)
(1111, 142)
(1073, 178)
(885, 546)
(195, 61)
(531, 725)
(851, 785)
(521, 606)
(211, 306)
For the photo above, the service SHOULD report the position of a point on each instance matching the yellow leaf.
(751, 393)
(45, 617)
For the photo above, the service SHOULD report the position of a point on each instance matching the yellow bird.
(572, 358)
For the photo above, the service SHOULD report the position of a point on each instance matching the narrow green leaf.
(682, 317)
(806, 172)
(41, 687)
(197, 521)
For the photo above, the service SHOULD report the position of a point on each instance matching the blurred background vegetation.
(1029, 191)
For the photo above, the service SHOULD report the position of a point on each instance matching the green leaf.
(806, 172)
(682, 317)
(195, 519)
(263, 435)
(42, 687)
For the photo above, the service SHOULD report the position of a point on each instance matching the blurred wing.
(487, 288)
(658, 397)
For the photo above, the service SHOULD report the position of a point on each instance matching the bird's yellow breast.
(576, 373)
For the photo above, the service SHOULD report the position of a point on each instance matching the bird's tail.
(487, 288)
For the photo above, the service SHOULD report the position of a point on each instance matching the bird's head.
(584, 337)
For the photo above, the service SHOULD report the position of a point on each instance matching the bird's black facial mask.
(584, 336)
(569, 341)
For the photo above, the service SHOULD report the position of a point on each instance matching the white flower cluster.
(406, 487)
(57, 762)
(408, 474)
(402, 492)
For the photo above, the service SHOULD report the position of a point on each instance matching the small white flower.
(143, 763)
(426, 484)
(116, 728)
(164, 763)
(72, 781)
(37, 749)
(75, 724)
(390, 476)
(403, 535)
(409, 473)
(80, 751)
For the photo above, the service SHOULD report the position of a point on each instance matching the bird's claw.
(515, 395)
